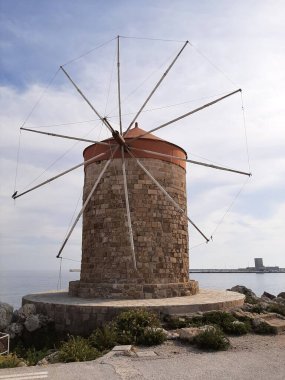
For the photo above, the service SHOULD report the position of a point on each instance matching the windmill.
(136, 246)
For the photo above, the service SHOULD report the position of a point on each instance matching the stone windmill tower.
(135, 223)
(154, 262)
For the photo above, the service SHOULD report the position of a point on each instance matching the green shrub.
(257, 308)
(33, 356)
(251, 300)
(197, 321)
(132, 326)
(42, 339)
(276, 308)
(104, 338)
(264, 329)
(236, 328)
(173, 323)
(219, 318)
(212, 339)
(152, 337)
(9, 361)
(77, 349)
(30, 355)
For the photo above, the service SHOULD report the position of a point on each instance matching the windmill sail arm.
(168, 196)
(16, 195)
(103, 119)
(192, 161)
(131, 235)
(157, 85)
(63, 136)
(119, 84)
(84, 205)
(187, 114)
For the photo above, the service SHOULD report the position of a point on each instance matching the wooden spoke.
(128, 209)
(156, 86)
(103, 119)
(64, 136)
(186, 114)
(16, 195)
(192, 161)
(119, 84)
(86, 202)
(167, 195)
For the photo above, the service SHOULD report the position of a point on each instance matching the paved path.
(251, 358)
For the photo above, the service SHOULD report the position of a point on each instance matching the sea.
(14, 285)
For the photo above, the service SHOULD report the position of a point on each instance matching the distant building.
(258, 263)
(259, 267)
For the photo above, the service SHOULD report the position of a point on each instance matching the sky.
(232, 45)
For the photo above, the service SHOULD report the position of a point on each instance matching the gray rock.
(266, 299)
(279, 300)
(268, 295)
(50, 359)
(26, 310)
(281, 295)
(189, 333)
(14, 329)
(243, 290)
(171, 335)
(238, 323)
(32, 323)
(6, 315)
(22, 364)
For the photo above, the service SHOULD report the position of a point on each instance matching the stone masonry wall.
(160, 234)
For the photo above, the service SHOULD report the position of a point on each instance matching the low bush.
(33, 356)
(173, 323)
(257, 308)
(197, 321)
(30, 355)
(9, 361)
(236, 328)
(77, 349)
(138, 326)
(220, 318)
(263, 328)
(104, 338)
(251, 300)
(212, 339)
(276, 308)
(152, 336)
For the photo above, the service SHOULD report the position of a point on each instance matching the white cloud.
(243, 39)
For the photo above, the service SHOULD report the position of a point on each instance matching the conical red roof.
(137, 132)
(143, 145)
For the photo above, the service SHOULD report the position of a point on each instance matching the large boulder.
(25, 311)
(268, 296)
(32, 322)
(281, 295)
(279, 300)
(14, 329)
(6, 315)
(243, 290)
(250, 296)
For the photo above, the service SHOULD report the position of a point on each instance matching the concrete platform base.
(80, 316)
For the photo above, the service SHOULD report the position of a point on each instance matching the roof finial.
(136, 124)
